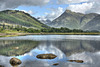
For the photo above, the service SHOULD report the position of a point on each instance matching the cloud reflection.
(30, 60)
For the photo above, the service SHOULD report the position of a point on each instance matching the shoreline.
(22, 34)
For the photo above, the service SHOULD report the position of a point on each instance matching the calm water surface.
(66, 47)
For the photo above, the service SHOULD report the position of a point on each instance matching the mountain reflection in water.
(64, 48)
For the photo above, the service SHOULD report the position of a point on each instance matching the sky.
(51, 9)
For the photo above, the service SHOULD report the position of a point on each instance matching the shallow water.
(66, 47)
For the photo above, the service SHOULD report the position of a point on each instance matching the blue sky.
(51, 9)
(41, 10)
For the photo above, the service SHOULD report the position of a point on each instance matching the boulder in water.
(15, 61)
(56, 64)
(78, 61)
(46, 56)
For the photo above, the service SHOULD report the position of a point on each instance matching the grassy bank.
(67, 33)
(22, 34)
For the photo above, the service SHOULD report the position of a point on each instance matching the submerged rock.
(15, 61)
(46, 56)
(56, 64)
(78, 61)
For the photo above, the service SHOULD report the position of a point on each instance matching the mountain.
(94, 24)
(67, 19)
(75, 20)
(46, 21)
(17, 17)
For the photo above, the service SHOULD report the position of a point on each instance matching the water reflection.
(16, 47)
(76, 46)
(64, 48)
(30, 60)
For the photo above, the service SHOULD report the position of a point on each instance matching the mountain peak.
(68, 11)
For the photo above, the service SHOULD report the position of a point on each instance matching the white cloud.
(95, 8)
(30, 12)
(91, 6)
(54, 13)
(42, 18)
(70, 1)
(81, 8)
(11, 4)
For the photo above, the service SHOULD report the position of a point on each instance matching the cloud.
(81, 8)
(88, 6)
(95, 8)
(11, 4)
(55, 12)
(70, 1)
(30, 12)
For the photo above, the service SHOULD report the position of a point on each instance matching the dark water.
(66, 47)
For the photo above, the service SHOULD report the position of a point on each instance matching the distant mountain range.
(74, 20)
(68, 19)
(17, 17)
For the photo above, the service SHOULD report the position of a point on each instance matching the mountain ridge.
(20, 18)
(73, 20)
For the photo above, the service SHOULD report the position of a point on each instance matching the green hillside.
(20, 18)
